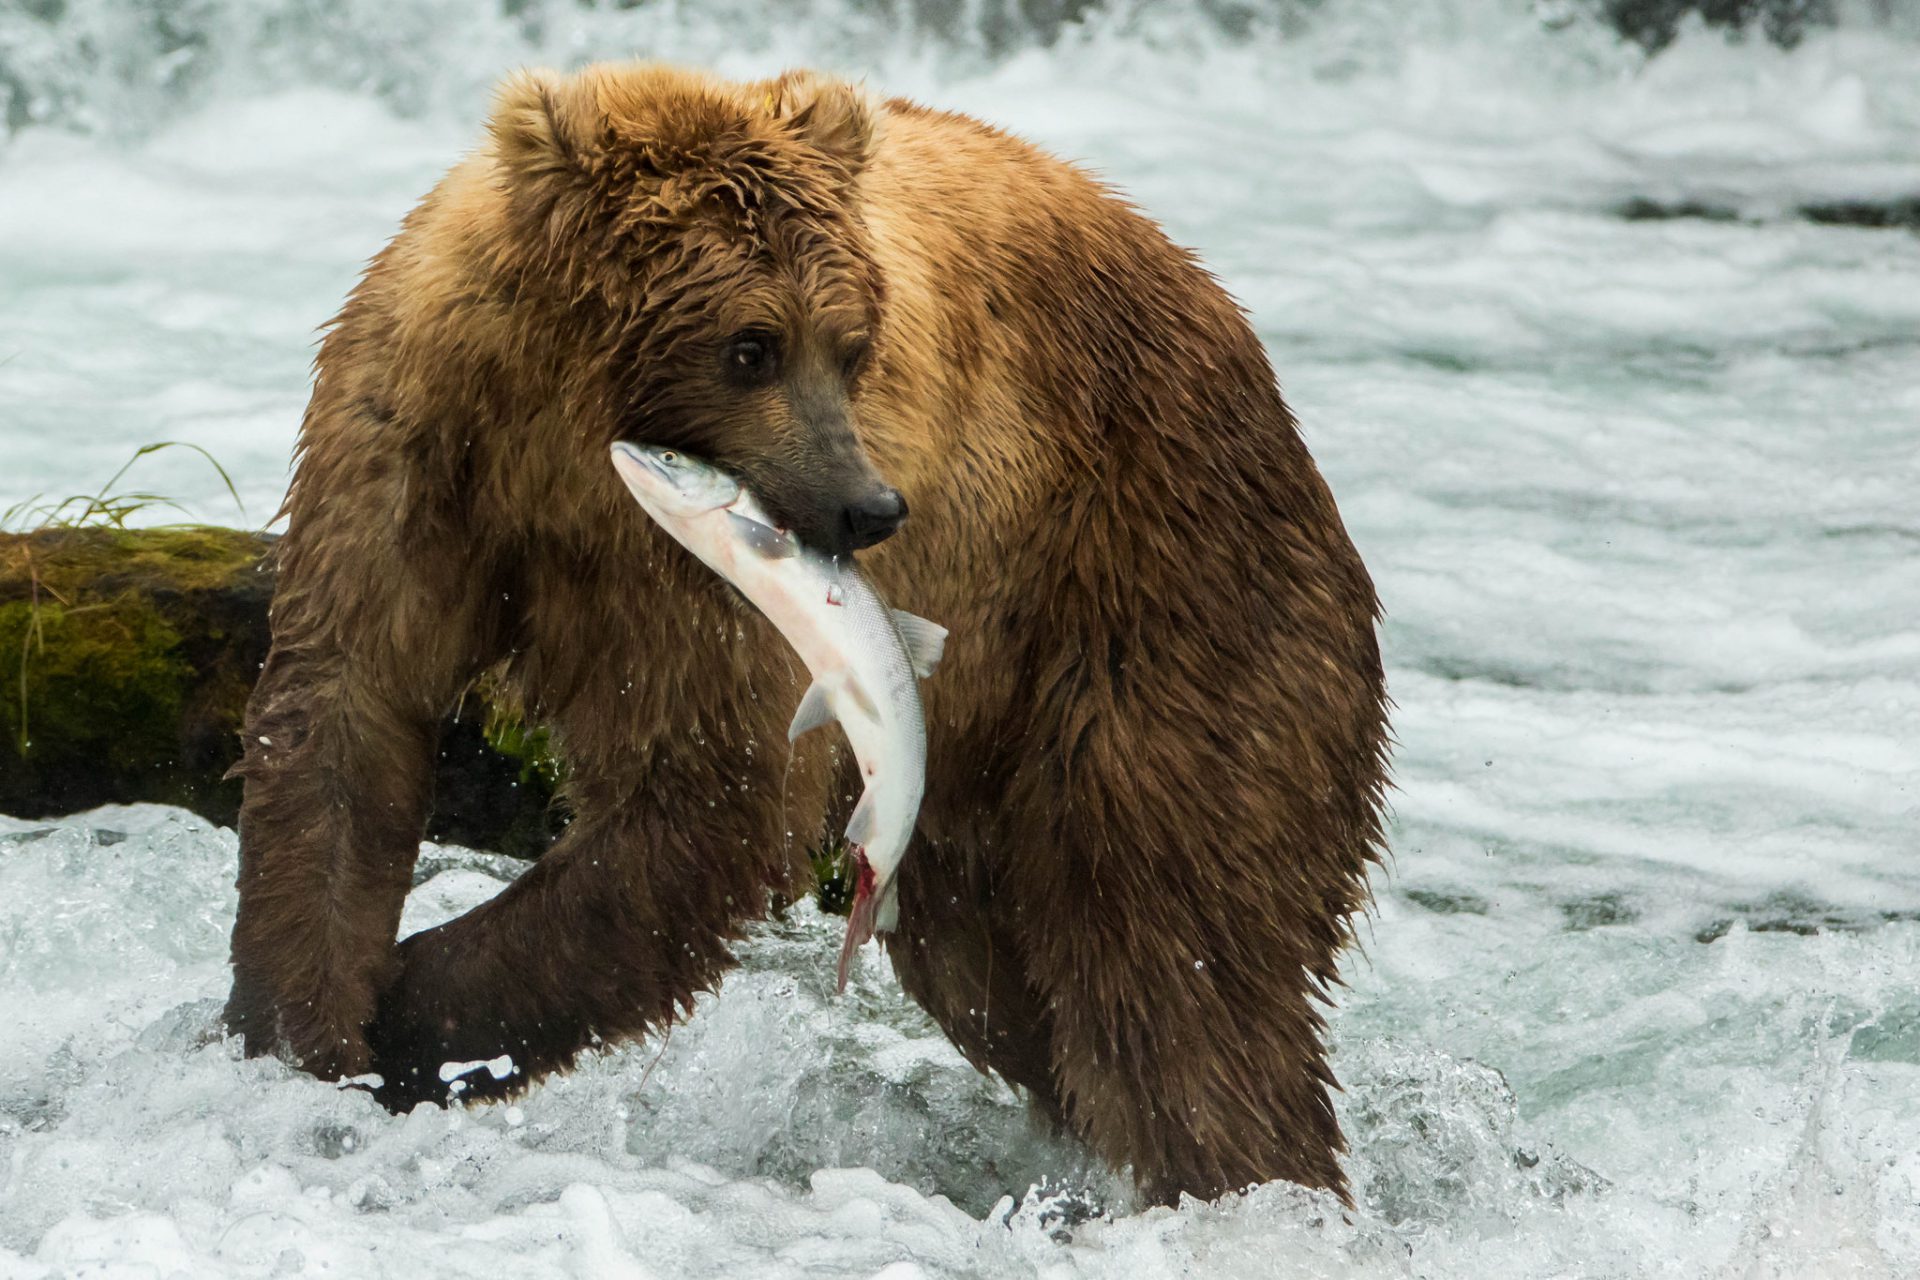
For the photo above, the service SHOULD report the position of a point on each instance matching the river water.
(1639, 996)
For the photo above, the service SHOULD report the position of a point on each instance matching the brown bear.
(1157, 743)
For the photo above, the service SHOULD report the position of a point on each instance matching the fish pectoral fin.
(766, 541)
(860, 825)
(816, 708)
(814, 711)
(926, 641)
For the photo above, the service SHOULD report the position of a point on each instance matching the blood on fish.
(860, 918)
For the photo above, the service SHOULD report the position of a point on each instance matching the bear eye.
(752, 357)
(855, 358)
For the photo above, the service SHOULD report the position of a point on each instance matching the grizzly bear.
(1157, 744)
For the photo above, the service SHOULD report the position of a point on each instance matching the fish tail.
(860, 918)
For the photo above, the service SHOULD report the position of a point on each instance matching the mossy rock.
(126, 659)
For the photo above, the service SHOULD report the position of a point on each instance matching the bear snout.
(874, 518)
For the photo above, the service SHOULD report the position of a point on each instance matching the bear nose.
(874, 518)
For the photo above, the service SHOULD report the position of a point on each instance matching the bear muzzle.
(874, 518)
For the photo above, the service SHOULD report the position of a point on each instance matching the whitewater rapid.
(1639, 997)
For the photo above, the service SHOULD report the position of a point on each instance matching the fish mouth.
(647, 459)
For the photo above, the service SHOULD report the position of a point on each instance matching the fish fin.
(860, 918)
(766, 541)
(860, 825)
(886, 915)
(859, 929)
(926, 641)
(814, 711)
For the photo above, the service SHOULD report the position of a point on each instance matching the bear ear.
(544, 123)
(837, 119)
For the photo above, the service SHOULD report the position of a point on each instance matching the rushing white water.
(1639, 998)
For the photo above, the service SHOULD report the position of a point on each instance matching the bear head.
(702, 240)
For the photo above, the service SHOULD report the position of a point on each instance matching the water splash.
(1731, 1122)
(124, 66)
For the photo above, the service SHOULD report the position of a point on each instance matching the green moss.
(832, 878)
(71, 563)
(126, 658)
(100, 683)
(528, 745)
(190, 558)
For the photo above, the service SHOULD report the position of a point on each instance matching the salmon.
(866, 660)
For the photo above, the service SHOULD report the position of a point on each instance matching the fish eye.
(669, 456)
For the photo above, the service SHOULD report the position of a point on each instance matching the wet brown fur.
(1157, 742)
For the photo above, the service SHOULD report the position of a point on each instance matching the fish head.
(673, 484)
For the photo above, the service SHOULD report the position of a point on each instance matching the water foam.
(1664, 1107)
(1623, 429)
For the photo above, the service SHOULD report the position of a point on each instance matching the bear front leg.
(338, 771)
(328, 835)
(610, 935)
(1200, 1066)
(1180, 917)
(382, 613)
(1202, 1077)
(957, 958)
